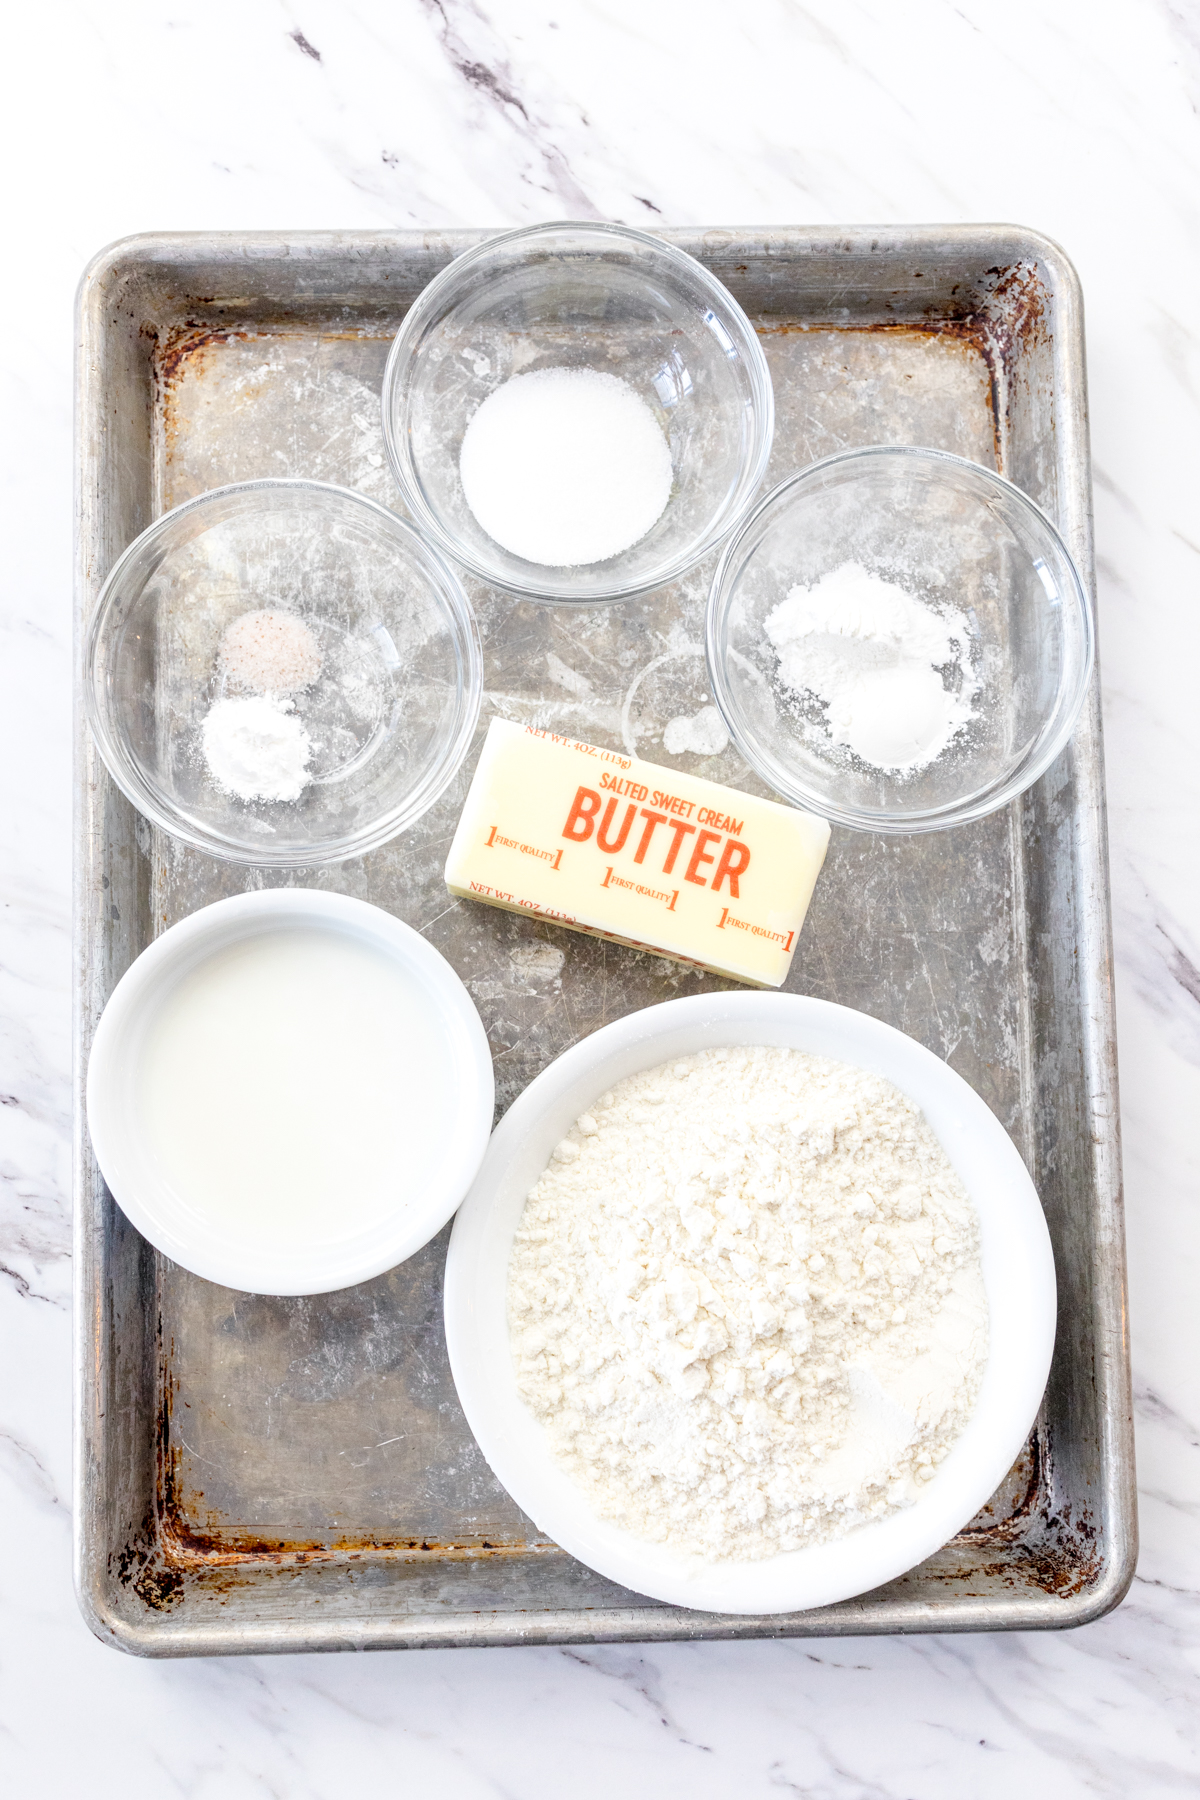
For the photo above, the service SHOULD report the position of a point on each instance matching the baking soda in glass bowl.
(256, 748)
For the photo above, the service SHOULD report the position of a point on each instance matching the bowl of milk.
(289, 1092)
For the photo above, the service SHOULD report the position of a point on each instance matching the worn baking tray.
(264, 1474)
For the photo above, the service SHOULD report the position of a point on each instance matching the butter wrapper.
(604, 843)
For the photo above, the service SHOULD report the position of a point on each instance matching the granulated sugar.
(565, 466)
(745, 1300)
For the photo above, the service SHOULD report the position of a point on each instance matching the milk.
(295, 1083)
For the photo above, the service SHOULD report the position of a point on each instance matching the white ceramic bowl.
(291, 1262)
(1018, 1272)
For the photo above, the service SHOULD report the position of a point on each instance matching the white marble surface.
(1078, 118)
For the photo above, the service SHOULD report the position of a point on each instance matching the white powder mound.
(565, 466)
(703, 734)
(269, 652)
(745, 1300)
(256, 748)
(872, 651)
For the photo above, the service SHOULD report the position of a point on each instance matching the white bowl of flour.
(757, 1409)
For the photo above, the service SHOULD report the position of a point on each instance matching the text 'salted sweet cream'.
(601, 842)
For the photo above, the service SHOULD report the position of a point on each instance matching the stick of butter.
(666, 862)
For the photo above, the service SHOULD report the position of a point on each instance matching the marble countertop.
(1080, 121)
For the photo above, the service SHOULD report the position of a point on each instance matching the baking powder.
(874, 653)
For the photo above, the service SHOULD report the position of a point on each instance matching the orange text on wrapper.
(649, 832)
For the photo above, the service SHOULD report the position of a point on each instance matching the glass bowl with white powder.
(283, 673)
(577, 412)
(899, 639)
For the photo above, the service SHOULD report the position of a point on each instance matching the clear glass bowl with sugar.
(379, 662)
(581, 296)
(953, 535)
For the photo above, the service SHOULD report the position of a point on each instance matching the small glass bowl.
(958, 537)
(389, 715)
(591, 297)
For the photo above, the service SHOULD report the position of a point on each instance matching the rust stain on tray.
(237, 402)
(1012, 326)
(182, 1537)
(186, 348)
(185, 343)
(1037, 1546)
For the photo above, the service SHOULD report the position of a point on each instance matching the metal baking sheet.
(291, 1474)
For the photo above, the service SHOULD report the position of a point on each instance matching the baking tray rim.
(133, 255)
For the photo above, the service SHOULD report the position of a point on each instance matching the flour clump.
(745, 1301)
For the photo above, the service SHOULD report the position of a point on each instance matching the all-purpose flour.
(745, 1300)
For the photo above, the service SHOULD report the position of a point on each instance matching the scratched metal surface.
(297, 1472)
